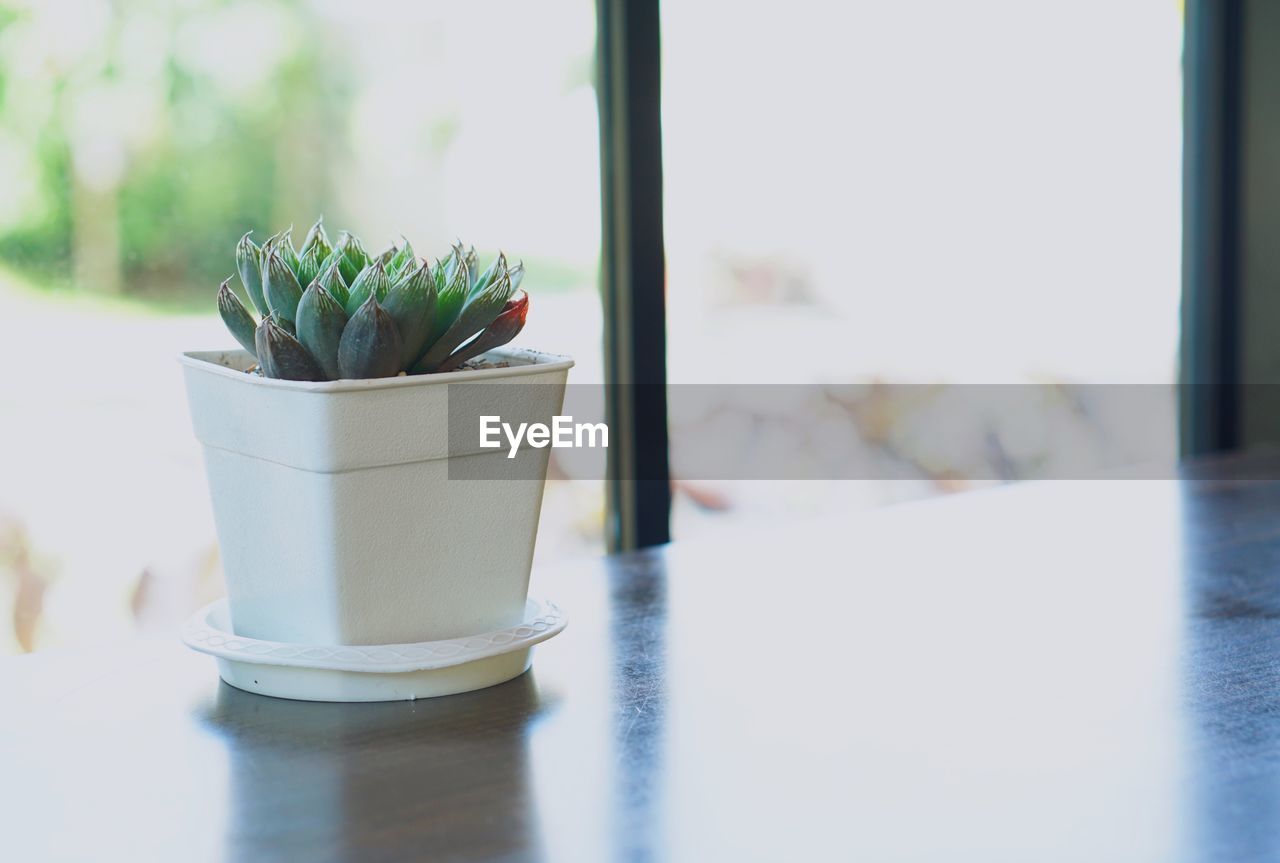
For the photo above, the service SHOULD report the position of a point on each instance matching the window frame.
(633, 272)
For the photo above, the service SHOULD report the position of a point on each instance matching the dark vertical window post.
(633, 278)
(1212, 213)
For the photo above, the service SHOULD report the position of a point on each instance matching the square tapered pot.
(337, 516)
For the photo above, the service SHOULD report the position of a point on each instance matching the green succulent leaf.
(282, 244)
(370, 346)
(284, 357)
(335, 259)
(473, 267)
(456, 258)
(290, 327)
(309, 266)
(517, 275)
(317, 239)
(493, 271)
(412, 266)
(321, 321)
(237, 317)
(411, 302)
(353, 256)
(453, 295)
(372, 282)
(503, 329)
(477, 314)
(366, 316)
(331, 280)
(386, 256)
(280, 285)
(403, 258)
(260, 349)
(249, 266)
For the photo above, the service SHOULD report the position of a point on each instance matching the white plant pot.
(336, 517)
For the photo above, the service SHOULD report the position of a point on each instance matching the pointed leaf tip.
(285, 356)
(316, 239)
(503, 329)
(372, 282)
(249, 267)
(237, 318)
(281, 287)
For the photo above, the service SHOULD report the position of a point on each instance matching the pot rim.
(536, 362)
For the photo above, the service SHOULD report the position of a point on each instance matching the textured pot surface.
(336, 517)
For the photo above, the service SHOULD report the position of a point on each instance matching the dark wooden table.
(1076, 671)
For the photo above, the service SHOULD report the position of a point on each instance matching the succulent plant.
(329, 310)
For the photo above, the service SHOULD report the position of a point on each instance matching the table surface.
(1057, 671)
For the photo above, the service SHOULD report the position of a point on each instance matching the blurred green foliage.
(122, 138)
(140, 138)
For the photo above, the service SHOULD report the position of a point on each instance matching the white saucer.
(375, 672)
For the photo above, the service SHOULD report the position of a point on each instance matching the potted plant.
(328, 454)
